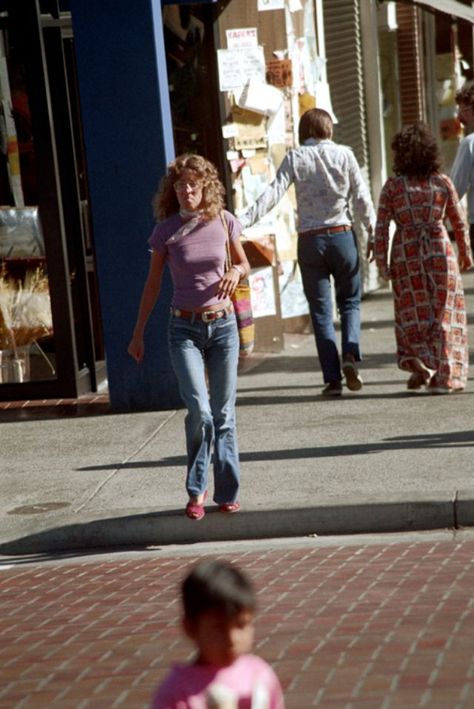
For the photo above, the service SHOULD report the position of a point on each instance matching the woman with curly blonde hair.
(166, 201)
(430, 313)
(191, 236)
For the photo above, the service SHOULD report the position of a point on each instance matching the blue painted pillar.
(128, 138)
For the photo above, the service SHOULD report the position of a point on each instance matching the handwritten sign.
(241, 38)
(279, 73)
(237, 66)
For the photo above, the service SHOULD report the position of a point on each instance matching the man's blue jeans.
(196, 348)
(321, 257)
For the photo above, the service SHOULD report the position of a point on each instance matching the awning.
(449, 7)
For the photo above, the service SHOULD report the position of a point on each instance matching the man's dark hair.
(216, 585)
(315, 123)
(465, 95)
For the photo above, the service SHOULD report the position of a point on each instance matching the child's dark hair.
(217, 585)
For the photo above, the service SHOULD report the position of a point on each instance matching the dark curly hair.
(415, 152)
(465, 95)
(165, 203)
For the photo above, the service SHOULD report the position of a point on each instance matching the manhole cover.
(38, 508)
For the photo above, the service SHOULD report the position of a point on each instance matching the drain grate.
(39, 508)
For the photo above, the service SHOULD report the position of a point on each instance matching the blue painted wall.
(128, 137)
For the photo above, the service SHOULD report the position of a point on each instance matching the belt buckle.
(208, 316)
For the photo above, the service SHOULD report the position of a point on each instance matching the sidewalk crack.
(90, 496)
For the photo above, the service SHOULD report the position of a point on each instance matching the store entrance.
(196, 104)
(51, 342)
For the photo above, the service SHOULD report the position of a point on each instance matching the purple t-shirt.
(248, 682)
(196, 260)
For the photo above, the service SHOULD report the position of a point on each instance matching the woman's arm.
(384, 216)
(151, 291)
(461, 232)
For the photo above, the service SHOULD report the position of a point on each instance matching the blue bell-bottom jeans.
(321, 257)
(197, 348)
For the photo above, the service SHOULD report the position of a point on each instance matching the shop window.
(26, 327)
(50, 333)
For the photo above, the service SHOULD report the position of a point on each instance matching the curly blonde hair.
(165, 202)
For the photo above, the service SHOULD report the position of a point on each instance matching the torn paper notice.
(260, 97)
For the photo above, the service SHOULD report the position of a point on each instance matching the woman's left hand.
(465, 263)
(370, 253)
(228, 283)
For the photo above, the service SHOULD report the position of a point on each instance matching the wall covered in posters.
(285, 76)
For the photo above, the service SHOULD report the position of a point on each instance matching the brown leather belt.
(206, 316)
(326, 230)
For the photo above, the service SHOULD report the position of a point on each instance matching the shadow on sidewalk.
(452, 439)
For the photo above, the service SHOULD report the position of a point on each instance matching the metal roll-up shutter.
(342, 31)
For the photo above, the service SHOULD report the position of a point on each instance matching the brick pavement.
(86, 405)
(361, 625)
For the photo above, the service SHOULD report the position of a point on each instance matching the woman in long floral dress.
(430, 313)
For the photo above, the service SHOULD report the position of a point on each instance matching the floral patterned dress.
(430, 313)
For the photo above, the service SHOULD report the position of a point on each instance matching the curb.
(148, 528)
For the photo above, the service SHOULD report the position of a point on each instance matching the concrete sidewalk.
(378, 460)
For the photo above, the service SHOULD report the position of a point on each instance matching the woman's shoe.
(416, 382)
(417, 367)
(229, 507)
(195, 510)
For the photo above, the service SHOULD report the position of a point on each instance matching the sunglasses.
(184, 185)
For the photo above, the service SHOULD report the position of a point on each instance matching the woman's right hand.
(136, 348)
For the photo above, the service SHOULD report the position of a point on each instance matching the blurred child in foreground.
(218, 609)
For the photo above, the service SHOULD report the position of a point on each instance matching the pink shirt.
(196, 260)
(249, 683)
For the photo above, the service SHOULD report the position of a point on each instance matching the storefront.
(114, 90)
(50, 329)
(428, 46)
(75, 198)
(226, 79)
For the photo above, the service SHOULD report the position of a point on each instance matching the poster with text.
(262, 292)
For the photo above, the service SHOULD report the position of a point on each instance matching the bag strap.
(228, 257)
